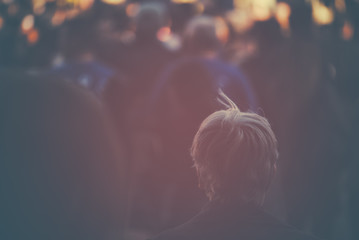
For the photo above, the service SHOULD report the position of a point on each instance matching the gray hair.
(235, 154)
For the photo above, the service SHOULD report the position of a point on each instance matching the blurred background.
(157, 66)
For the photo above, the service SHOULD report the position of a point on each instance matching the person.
(235, 156)
(184, 95)
(203, 44)
(78, 62)
(62, 173)
(146, 55)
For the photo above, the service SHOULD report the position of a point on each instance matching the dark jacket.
(218, 221)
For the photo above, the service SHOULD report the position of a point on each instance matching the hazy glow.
(322, 15)
(200, 7)
(33, 36)
(27, 23)
(262, 10)
(7, 1)
(39, 6)
(282, 15)
(58, 18)
(13, 9)
(240, 20)
(259, 10)
(1, 22)
(347, 31)
(184, 1)
(340, 5)
(85, 4)
(114, 2)
(132, 9)
(222, 30)
(164, 34)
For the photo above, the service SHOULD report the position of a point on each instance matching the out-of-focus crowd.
(157, 66)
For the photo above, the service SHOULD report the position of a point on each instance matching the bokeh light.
(347, 31)
(282, 15)
(1, 22)
(58, 18)
(39, 6)
(164, 34)
(241, 21)
(184, 1)
(114, 2)
(340, 5)
(262, 10)
(85, 4)
(33, 36)
(27, 23)
(222, 30)
(322, 15)
(132, 9)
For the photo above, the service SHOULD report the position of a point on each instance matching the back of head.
(150, 18)
(200, 36)
(235, 155)
(60, 173)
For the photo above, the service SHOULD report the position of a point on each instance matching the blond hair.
(235, 154)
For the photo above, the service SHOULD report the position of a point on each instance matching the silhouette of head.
(235, 155)
(61, 173)
(150, 18)
(200, 36)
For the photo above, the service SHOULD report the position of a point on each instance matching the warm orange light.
(164, 34)
(282, 15)
(240, 20)
(33, 36)
(340, 5)
(1, 22)
(58, 18)
(322, 15)
(263, 10)
(222, 30)
(132, 9)
(114, 2)
(184, 1)
(27, 23)
(85, 4)
(200, 7)
(347, 31)
(39, 6)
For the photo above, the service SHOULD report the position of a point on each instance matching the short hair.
(235, 155)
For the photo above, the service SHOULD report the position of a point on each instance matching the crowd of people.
(128, 127)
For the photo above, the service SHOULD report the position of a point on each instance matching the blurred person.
(202, 43)
(143, 61)
(348, 74)
(166, 179)
(308, 115)
(235, 156)
(200, 37)
(62, 174)
(77, 61)
(183, 96)
(146, 54)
